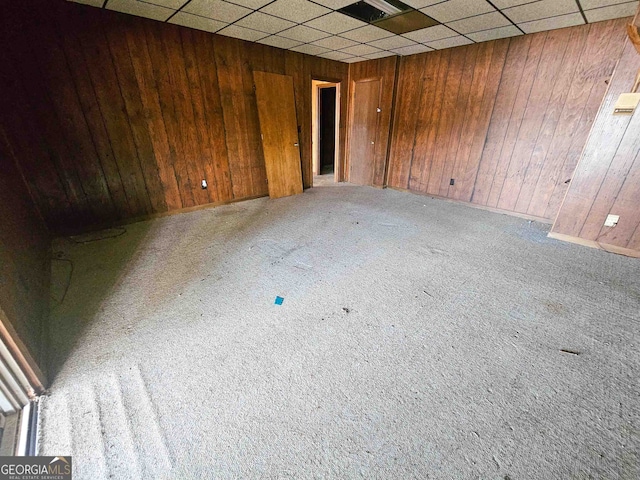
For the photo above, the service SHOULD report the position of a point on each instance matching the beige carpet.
(417, 339)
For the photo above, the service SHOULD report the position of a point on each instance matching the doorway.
(325, 131)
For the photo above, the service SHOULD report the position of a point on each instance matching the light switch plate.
(626, 104)
(611, 220)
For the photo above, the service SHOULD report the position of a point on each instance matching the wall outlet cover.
(611, 220)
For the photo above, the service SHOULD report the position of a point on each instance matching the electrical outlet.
(452, 181)
(612, 220)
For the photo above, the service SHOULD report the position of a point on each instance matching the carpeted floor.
(417, 339)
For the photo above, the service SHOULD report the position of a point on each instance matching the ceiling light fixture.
(384, 6)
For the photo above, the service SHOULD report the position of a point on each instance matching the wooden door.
(364, 127)
(279, 129)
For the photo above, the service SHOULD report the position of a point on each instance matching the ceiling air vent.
(391, 15)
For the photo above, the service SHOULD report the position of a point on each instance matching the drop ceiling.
(316, 28)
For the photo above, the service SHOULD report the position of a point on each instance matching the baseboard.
(479, 207)
(151, 216)
(593, 244)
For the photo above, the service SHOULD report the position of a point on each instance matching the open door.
(279, 129)
(364, 127)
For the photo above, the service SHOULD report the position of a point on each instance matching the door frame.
(318, 82)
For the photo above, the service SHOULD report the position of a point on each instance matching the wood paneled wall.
(506, 119)
(385, 70)
(116, 117)
(24, 266)
(607, 179)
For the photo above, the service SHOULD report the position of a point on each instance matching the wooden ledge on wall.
(593, 244)
(153, 216)
(633, 30)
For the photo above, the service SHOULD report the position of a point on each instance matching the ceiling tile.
(216, 9)
(264, 23)
(591, 4)
(335, 22)
(457, 9)
(366, 34)
(480, 22)
(298, 11)
(310, 49)
(381, 54)
(430, 34)
(552, 23)
(392, 42)
(335, 4)
(279, 42)
(500, 4)
(502, 32)
(199, 23)
(412, 50)
(335, 55)
(140, 9)
(421, 3)
(172, 4)
(449, 42)
(252, 4)
(360, 50)
(303, 33)
(93, 3)
(356, 59)
(613, 11)
(242, 33)
(541, 9)
(335, 43)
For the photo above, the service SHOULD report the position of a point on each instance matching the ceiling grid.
(316, 27)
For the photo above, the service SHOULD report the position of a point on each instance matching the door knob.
(372, 143)
(295, 144)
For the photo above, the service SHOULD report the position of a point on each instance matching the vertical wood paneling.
(426, 127)
(32, 97)
(549, 128)
(24, 262)
(537, 109)
(22, 135)
(218, 166)
(607, 179)
(115, 34)
(445, 141)
(102, 72)
(406, 120)
(504, 119)
(509, 151)
(116, 117)
(511, 76)
(596, 68)
(463, 190)
(95, 122)
(148, 88)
